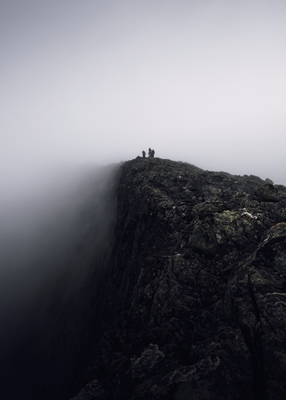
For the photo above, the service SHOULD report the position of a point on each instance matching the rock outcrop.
(194, 304)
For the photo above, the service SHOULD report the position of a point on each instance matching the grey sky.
(99, 81)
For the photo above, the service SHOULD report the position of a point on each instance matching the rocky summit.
(194, 300)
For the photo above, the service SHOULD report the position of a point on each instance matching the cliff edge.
(194, 306)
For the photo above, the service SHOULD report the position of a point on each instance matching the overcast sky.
(99, 81)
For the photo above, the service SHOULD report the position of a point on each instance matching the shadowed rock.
(195, 301)
(170, 284)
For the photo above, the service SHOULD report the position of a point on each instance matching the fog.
(55, 241)
(85, 84)
(99, 81)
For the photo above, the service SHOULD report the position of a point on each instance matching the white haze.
(54, 230)
(55, 240)
(96, 82)
(99, 81)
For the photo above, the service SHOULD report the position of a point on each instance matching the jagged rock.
(195, 301)
(268, 192)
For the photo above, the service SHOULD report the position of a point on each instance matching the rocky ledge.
(194, 306)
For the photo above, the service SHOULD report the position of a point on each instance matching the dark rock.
(181, 295)
(268, 192)
(93, 390)
(197, 290)
(195, 302)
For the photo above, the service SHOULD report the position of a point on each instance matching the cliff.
(193, 303)
(151, 280)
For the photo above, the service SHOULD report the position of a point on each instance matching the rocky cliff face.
(194, 305)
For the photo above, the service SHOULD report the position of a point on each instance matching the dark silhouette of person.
(143, 153)
(151, 153)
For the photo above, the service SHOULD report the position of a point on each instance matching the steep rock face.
(195, 304)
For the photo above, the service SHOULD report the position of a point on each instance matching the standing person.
(143, 153)
(150, 152)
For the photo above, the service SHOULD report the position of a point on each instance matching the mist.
(55, 242)
(87, 84)
(99, 81)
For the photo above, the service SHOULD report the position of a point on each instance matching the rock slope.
(194, 306)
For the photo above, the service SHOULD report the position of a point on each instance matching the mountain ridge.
(193, 304)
